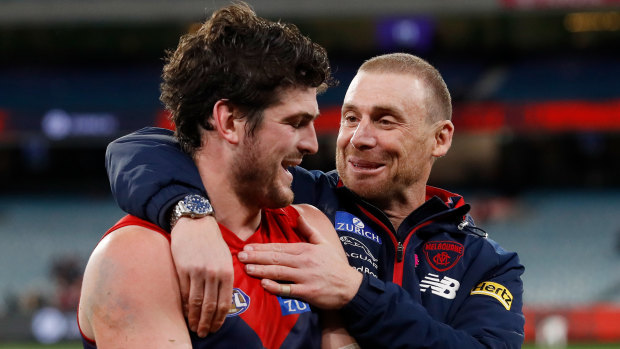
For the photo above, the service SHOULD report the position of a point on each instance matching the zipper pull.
(463, 224)
(399, 252)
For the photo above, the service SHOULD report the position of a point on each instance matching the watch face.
(197, 204)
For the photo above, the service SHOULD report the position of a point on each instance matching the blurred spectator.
(67, 274)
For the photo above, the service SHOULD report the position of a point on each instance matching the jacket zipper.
(399, 252)
(399, 264)
(397, 277)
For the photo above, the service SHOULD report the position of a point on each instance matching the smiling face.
(386, 143)
(285, 135)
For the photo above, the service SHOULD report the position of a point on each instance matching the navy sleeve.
(383, 315)
(149, 173)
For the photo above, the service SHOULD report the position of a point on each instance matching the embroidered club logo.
(443, 255)
(240, 303)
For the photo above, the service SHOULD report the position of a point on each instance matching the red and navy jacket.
(436, 282)
(257, 318)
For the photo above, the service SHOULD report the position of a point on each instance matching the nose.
(308, 143)
(363, 136)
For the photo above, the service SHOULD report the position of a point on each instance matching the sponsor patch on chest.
(443, 255)
(347, 222)
(290, 306)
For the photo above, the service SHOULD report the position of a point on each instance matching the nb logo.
(446, 287)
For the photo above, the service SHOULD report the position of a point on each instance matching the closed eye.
(300, 121)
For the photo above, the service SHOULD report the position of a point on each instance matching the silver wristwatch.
(192, 206)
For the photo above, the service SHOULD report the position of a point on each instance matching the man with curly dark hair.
(239, 57)
(242, 95)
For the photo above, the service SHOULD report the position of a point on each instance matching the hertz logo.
(496, 291)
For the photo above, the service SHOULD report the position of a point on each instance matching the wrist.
(186, 226)
(351, 287)
(191, 206)
(367, 295)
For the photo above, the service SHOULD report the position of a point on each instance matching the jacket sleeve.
(383, 315)
(149, 173)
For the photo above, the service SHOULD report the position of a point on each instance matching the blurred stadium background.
(536, 89)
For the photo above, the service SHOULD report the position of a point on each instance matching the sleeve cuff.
(158, 208)
(366, 297)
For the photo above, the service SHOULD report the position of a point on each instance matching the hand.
(205, 270)
(319, 270)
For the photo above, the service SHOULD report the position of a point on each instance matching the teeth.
(364, 166)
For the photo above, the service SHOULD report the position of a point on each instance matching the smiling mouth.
(365, 165)
(290, 163)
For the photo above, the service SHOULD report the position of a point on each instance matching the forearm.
(149, 173)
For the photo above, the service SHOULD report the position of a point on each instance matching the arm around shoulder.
(149, 173)
(130, 293)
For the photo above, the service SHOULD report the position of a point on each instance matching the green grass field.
(78, 345)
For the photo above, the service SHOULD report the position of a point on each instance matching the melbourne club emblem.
(443, 255)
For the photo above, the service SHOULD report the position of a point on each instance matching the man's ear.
(443, 137)
(226, 124)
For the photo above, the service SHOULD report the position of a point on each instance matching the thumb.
(307, 231)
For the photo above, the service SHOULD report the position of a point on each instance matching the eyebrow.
(310, 116)
(377, 109)
(303, 115)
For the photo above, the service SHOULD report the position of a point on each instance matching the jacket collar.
(440, 205)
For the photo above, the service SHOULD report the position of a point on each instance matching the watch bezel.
(196, 205)
(191, 206)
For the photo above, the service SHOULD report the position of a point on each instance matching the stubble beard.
(255, 178)
(377, 191)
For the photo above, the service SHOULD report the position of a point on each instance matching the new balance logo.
(446, 287)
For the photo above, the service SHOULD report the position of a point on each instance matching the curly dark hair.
(238, 56)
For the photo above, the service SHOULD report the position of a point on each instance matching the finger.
(224, 302)
(184, 286)
(209, 305)
(290, 248)
(274, 272)
(268, 258)
(283, 290)
(195, 299)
